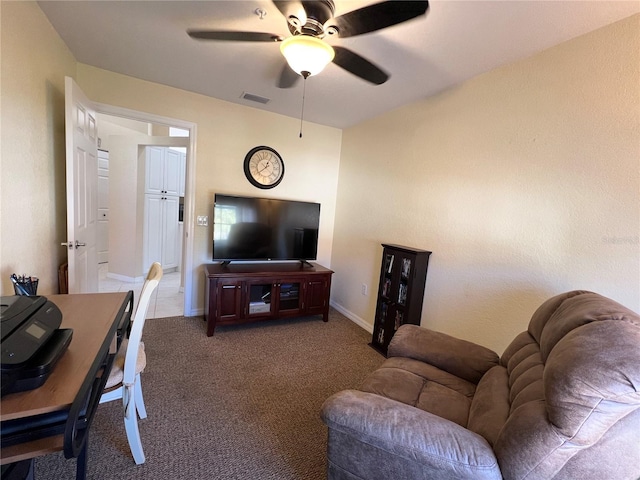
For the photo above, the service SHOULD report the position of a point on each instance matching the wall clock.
(263, 167)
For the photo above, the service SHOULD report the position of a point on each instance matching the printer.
(32, 342)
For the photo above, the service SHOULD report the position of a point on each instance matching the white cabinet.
(164, 171)
(164, 184)
(161, 232)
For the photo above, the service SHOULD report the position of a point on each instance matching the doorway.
(173, 296)
(166, 301)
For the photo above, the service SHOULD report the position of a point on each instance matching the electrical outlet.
(202, 220)
(364, 289)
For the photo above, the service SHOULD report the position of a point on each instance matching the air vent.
(255, 98)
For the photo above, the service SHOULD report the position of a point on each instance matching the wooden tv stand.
(240, 292)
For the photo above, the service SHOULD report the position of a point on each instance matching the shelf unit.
(403, 276)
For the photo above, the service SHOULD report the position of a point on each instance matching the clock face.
(263, 167)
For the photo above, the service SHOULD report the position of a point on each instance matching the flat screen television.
(261, 229)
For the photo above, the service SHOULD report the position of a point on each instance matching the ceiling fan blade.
(288, 78)
(378, 16)
(359, 66)
(234, 36)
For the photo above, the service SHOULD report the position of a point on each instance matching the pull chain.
(305, 75)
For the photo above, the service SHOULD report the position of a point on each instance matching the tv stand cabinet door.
(317, 296)
(260, 300)
(228, 300)
(289, 295)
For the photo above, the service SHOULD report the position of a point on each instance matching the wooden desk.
(95, 319)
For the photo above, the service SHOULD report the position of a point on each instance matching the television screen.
(250, 228)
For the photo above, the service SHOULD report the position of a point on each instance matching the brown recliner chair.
(562, 402)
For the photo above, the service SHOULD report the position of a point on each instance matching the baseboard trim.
(352, 316)
(124, 278)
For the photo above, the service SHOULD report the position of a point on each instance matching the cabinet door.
(161, 231)
(261, 298)
(154, 170)
(153, 206)
(172, 177)
(396, 271)
(389, 316)
(316, 296)
(183, 172)
(228, 300)
(170, 232)
(387, 293)
(289, 296)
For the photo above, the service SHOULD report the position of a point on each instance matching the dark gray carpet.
(243, 404)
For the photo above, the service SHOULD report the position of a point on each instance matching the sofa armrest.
(453, 355)
(403, 435)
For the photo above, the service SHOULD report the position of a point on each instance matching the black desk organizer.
(75, 423)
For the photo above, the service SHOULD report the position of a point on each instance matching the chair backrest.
(137, 324)
(574, 392)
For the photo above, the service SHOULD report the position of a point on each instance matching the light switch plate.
(202, 220)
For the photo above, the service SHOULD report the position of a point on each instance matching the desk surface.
(91, 316)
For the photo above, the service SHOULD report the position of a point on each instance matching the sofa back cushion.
(573, 380)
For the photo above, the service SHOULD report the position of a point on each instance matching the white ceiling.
(455, 41)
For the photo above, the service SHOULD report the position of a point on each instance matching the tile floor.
(166, 301)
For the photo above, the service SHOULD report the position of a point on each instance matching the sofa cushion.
(490, 405)
(379, 439)
(423, 386)
(587, 388)
(459, 357)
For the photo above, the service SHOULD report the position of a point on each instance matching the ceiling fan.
(310, 22)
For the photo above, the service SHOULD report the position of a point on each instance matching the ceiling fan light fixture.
(305, 53)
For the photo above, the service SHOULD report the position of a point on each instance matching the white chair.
(124, 378)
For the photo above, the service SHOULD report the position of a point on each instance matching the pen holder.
(24, 285)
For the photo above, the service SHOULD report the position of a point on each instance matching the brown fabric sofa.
(562, 402)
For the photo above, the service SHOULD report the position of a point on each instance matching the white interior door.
(82, 179)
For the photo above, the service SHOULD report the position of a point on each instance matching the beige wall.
(225, 133)
(34, 62)
(125, 206)
(524, 182)
(109, 125)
